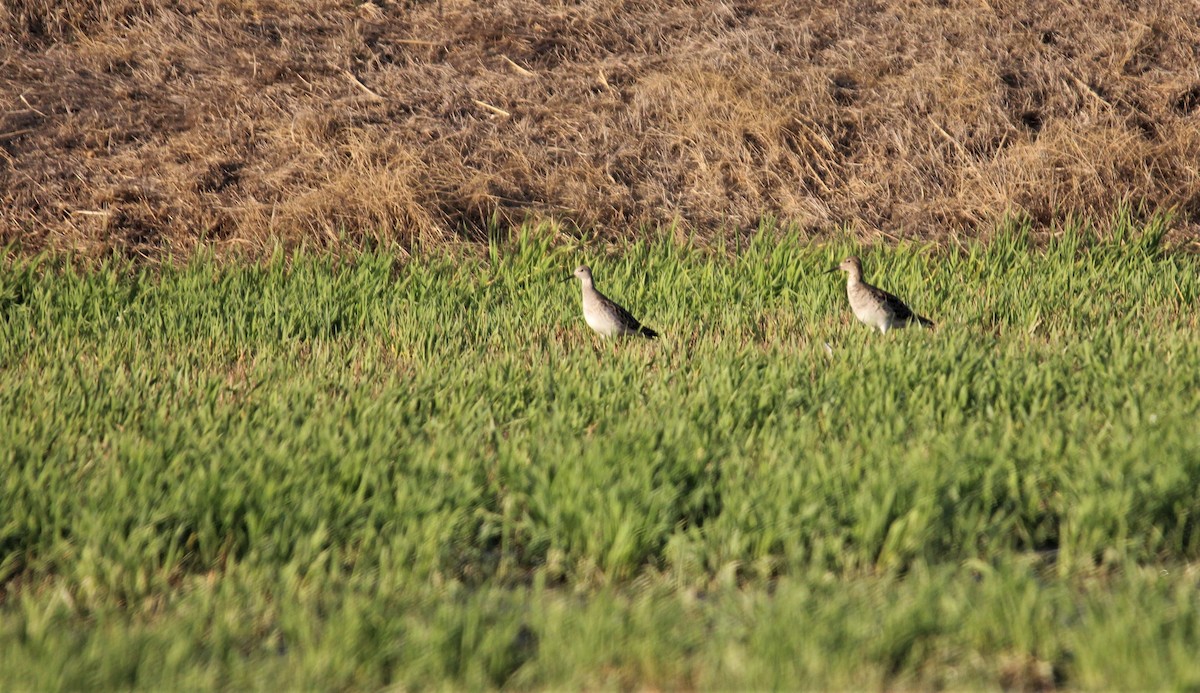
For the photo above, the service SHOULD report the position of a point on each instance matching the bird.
(874, 306)
(603, 315)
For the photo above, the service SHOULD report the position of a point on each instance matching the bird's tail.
(647, 332)
(925, 322)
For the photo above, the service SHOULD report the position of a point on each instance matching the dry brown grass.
(149, 126)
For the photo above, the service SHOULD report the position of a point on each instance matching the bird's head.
(851, 265)
(583, 272)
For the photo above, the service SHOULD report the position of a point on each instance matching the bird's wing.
(894, 305)
(626, 317)
(623, 316)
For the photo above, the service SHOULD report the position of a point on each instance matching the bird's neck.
(587, 283)
(853, 278)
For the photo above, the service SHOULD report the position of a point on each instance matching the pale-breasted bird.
(604, 315)
(874, 306)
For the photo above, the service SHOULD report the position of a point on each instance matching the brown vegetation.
(148, 126)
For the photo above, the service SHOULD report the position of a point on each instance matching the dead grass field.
(150, 126)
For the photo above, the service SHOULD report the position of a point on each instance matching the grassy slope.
(429, 472)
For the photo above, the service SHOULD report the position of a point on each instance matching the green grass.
(352, 474)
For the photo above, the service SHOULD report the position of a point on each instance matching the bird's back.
(607, 317)
(870, 304)
(880, 309)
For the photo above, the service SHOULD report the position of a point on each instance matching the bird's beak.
(568, 278)
(831, 271)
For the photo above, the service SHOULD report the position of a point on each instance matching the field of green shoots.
(412, 472)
